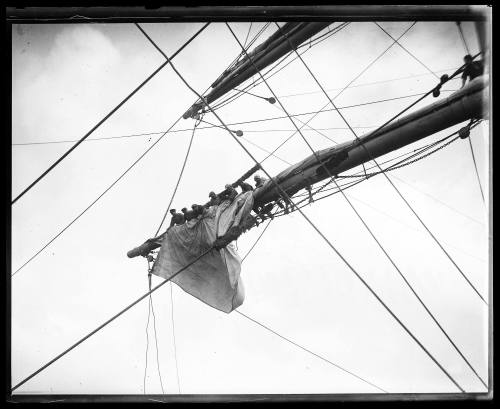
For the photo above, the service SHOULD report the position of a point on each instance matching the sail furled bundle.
(215, 278)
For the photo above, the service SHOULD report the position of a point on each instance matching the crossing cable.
(464, 42)
(407, 51)
(111, 319)
(285, 195)
(101, 195)
(97, 199)
(109, 114)
(156, 234)
(319, 161)
(394, 186)
(289, 340)
(358, 175)
(244, 123)
(348, 84)
(255, 83)
(362, 220)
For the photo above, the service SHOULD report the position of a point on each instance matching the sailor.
(188, 214)
(229, 193)
(264, 211)
(259, 181)
(197, 210)
(472, 69)
(246, 187)
(177, 218)
(309, 189)
(214, 200)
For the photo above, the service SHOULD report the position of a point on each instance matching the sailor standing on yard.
(472, 69)
(214, 200)
(229, 193)
(259, 181)
(177, 218)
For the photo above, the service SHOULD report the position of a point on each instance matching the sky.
(65, 78)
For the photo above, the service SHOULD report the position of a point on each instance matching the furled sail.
(215, 278)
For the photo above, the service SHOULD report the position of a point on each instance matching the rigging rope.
(361, 219)
(245, 122)
(178, 179)
(370, 231)
(464, 42)
(371, 157)
(173, 334)
(307, 350)
(392, 184)
(287, 339)
(343, 89)
(285, 195)
(151, 309)
(255, 83)
(110, 320)
(407, 51)
(108, 115)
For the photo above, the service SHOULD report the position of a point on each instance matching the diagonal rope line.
(178, 181)
(97, 199)
(341, 191)
(387, 177)
(240, 123)
(111, 319)
(289, 340)
(347, 86)
(378, 242)
(108, 115)
(428, 353)
(256, 241)
(407, 51)
(308, 350)
(270, 71)
(285, 195)
(475, 167)
(464, 42)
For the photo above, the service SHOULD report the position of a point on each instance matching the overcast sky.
(67, 77)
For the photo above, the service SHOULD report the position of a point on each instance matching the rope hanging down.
(151, 309)
(108, 115)
(285, 195)
(332, 178)
(110, 320)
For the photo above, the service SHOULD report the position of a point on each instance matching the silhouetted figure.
(177, 218)
(188, 214)
(472, 69)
